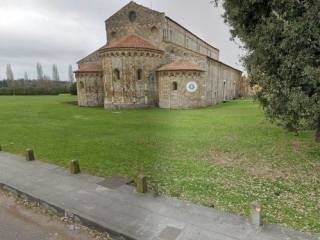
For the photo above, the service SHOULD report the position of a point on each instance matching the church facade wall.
(144, 22)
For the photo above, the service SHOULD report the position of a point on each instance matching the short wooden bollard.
(0, 147)
(30, 155)
(74, 167)
(141, 182)
(256, 214)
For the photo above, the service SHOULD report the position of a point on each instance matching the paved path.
(133, 215)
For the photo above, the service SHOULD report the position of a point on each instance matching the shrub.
(73, 89)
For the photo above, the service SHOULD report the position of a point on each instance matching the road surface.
(17, 222)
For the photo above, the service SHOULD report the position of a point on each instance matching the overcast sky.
(64, 31)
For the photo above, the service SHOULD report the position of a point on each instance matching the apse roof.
(90, 67)
(131, 41)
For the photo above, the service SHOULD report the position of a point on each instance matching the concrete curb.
(85, 221)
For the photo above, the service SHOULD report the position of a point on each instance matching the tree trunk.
(318, 133)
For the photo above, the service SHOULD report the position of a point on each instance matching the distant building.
(151, 60)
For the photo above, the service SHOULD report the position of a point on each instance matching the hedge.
(33, 91)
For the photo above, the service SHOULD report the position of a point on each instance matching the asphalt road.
(18, 222)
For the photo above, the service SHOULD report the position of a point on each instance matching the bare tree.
(71, 76)
(39, 72)
(55, 73)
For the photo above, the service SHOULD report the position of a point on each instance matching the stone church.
(151, 60)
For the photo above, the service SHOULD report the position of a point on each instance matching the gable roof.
(134, 4)
(131, 41)
(180, 65)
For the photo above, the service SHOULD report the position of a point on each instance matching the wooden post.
(74, 167)
(141, 182)
(0, 147)
(30, 155)
(256, 214)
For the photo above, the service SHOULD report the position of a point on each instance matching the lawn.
(223, 156)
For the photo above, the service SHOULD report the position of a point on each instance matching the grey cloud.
(63, 31)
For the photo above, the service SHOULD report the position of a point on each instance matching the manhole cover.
(170, 233)
(115, 182)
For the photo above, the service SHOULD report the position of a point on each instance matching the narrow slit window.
(139, 74)
(174, 86)
(116, 74)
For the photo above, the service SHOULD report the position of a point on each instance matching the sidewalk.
(126, 214)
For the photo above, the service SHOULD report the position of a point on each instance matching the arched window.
(154, 29)
(113, 34)
(81, 85)
(139, 74)
(116, 74)
(174, 86)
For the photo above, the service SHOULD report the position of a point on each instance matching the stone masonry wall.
(90, 89)
(174, 33)
(222, 82)
(215, 73)
(121, 81)
(173, 92)
(146, 23)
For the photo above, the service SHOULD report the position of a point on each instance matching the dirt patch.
(296, 146)
(225, 159)
(265, 171)
(41, 221)
(251, 166)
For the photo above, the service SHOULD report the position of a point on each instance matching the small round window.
(132, 16)
(192, 87)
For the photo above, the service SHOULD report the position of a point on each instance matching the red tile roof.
(132, 41)
(180, 65)
(90, 67)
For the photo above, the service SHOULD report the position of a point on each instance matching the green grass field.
(224, 156)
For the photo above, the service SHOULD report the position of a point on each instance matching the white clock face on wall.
(192, 86)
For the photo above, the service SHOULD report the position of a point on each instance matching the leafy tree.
(282, 38)
(10, 77)
(39, 72)
(3, 84)
(26, 77)
(73, 89)
(55, 73)
(9, 72)
(71, 76)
